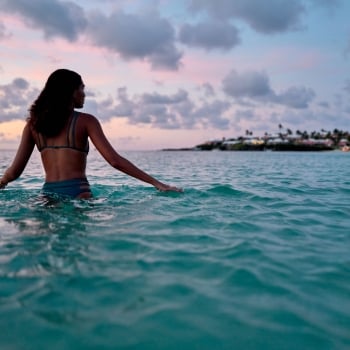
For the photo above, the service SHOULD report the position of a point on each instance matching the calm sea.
(255, 254)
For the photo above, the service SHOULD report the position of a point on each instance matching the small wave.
(225, 190)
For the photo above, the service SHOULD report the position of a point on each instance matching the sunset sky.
(175, 73)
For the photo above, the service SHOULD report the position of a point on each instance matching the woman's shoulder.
(29, 127)
(87, 117)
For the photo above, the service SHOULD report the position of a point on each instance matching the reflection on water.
(253, 255)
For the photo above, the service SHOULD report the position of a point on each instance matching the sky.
(176, 73)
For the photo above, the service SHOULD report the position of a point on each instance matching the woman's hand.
(166, 188)
(2, 184)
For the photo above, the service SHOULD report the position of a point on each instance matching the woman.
(61, 135)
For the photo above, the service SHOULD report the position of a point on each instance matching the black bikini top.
(42, 142)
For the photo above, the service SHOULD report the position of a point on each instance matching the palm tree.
(336, 136)
(305, 135)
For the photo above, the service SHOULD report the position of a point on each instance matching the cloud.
(175, 110)
(324, 104)
(142, 36)
(212, 114)
(269, 16)
(210, 35)
(249, 84)
(154, 109)
(208, 90)
(179, 111)
(125, 106)
(315, 120)
(164, 111)
(55, 18)
(15, 99)
(255, 86)
(246, 114)
(157, 98)
(161, 110)
(119, 106)
(295, 97)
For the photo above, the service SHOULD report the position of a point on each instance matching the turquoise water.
(255, 254)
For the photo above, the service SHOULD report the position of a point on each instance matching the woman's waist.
(64, 174)
(68, 181)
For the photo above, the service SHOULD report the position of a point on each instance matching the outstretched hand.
(2, 185)
(166, 188)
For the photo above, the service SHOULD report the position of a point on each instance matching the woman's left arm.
(20, 161)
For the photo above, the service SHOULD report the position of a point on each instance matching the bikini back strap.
(71, 132)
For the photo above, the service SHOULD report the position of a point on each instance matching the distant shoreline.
(284, 141)
(296, 149)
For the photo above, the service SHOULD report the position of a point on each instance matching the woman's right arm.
(102, 144)
(20, 161)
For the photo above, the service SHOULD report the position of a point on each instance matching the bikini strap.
(71, 132)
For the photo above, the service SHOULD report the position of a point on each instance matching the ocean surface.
(255, 254)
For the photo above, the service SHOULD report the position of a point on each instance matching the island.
(284, 140)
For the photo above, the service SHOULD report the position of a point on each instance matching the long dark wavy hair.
(51, 110)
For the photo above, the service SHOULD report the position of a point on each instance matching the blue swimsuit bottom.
(71, 188)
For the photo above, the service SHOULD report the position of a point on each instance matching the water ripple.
(253, 255)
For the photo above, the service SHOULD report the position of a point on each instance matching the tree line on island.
(284, 140)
